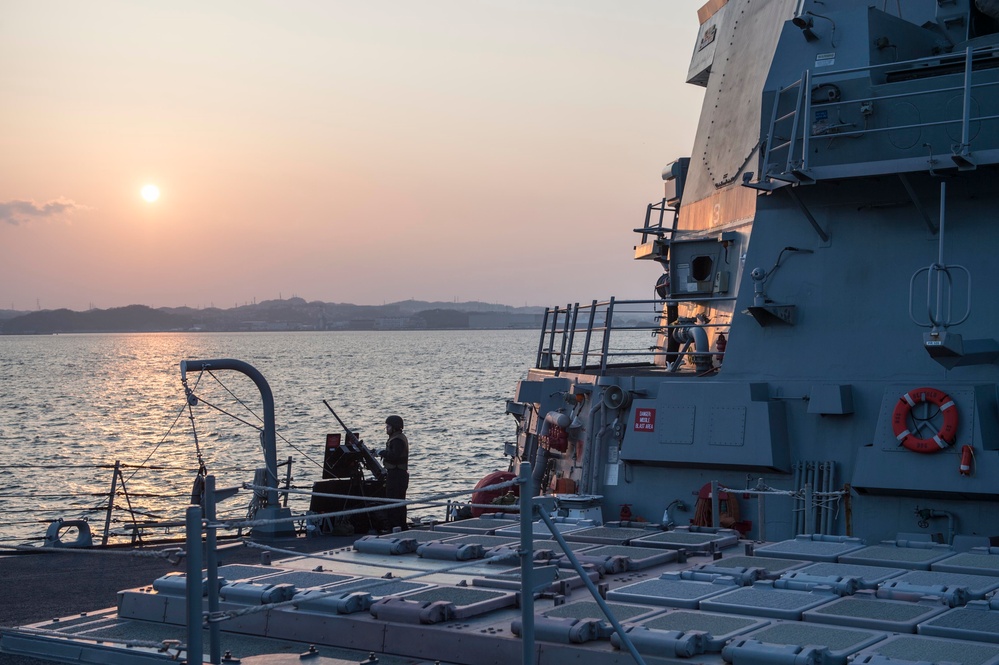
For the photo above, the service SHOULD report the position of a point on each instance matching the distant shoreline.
(228, 332)
(291, 315)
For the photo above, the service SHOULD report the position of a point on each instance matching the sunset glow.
(370, 152)
(150, 193)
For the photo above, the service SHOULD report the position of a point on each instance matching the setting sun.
(150, 193)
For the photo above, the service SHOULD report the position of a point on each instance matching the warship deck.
(691, 595)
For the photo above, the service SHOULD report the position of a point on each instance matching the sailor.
(395, 457)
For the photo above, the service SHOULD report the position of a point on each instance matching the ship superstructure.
(826, 297)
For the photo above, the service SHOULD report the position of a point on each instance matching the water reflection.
(73, 402)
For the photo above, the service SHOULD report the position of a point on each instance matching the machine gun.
(345, 460)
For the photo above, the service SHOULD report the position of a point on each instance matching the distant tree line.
(285, 314)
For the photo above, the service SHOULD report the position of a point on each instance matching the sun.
(150, 192)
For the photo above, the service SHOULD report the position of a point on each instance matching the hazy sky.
(360, 151)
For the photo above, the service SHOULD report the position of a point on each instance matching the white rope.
(775, 492)
(378, 499)
(239, 524)
(326, 495)
(173, 555)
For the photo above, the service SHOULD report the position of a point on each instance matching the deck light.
(806, 27)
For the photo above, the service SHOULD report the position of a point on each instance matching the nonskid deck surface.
(729, 602)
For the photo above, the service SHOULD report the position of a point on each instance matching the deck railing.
(616, 333)
(791, 154)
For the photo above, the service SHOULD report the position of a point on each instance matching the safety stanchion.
(526, 563)
(625, 640)
(212, 571)
(194, 586)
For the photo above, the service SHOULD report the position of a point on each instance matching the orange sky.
(362, 152)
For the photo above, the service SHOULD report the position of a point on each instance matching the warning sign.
(645, 420)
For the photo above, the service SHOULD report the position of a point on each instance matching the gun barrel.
(370, 460)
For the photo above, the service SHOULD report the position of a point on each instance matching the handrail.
(804, 95)
(605, 346)
(611, 334)
(541, 342)
(903, 65)
(802, 134)
(656, 229)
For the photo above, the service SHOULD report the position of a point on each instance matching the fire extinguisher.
(967, 456)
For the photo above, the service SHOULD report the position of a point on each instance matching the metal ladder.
(782, 137)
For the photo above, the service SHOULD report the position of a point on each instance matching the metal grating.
(719, 628)
(484, 525)
(588, 609)
(514, 573)
(668, 592)
(839, 641)
(762, 599)
(868, 577)
(877, 614)
(465, 602)
(541, 530)
(771, 566)
(976, 621)
(675, 540)
(932, 650)
(606, 535)
(420, 535)
(812, 548)
(303, 579)
(913, 558)
(969, 562)
(638, 558)
(455, 595)
(379, 587)
(554, 546)
(487, 542)
(977, 585)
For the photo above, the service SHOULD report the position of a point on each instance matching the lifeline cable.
(255, 415)
(163, 439)
(377, 499)
(202, 400)
(172, 555)
(356, 511)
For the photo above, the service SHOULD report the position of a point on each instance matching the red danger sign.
(645, 420)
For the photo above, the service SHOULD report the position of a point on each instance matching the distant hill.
(284, 314)
(413, 306)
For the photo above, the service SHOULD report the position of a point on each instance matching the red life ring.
(900, 420)
(486, 496)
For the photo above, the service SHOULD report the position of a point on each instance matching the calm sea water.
(73, 404)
